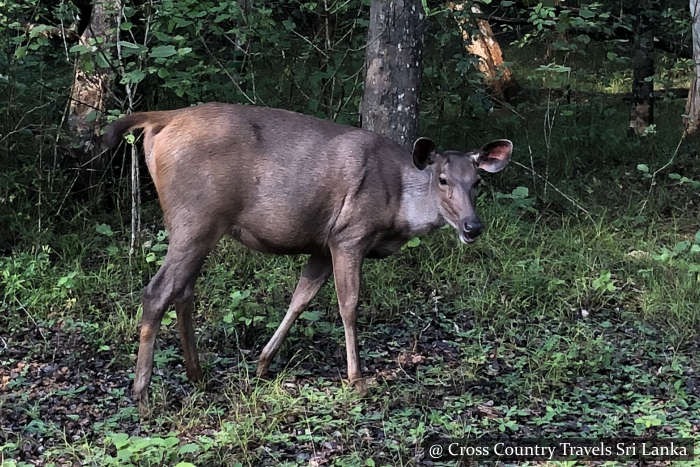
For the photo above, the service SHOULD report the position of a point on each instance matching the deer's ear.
(494, 156)
(422, 152)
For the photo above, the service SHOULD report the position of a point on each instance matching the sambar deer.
(286, 183)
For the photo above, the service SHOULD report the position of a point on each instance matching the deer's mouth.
(465, 238)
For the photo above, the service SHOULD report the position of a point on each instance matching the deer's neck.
(420, 205)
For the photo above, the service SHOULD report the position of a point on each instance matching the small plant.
(106, 230)
(67, 283)
(236, 313)
(644, 169)
(685, 254)
(681, 180)
(158, 249)
(135, 450)
(604, 282)
(520, 197)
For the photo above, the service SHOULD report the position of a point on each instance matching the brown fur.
(286, 183)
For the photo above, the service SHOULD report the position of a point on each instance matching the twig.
(31, 318)
(663, 167)
(223, 68)
(65, 44)
(19, 122)
(343, 102)
(306, 39)
(564, 195)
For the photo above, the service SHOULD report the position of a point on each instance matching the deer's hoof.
(194, 374)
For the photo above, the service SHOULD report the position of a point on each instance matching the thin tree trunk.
(642, 113)
(91, 83)
(393, 63)
(484, 45)
(692, 107)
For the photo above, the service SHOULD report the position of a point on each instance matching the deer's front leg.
(347, 267)
(313, 277)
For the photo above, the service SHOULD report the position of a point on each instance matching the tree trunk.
(91, 82)
(692, 107)
(642, 113)
(484, 45)
(393, 63)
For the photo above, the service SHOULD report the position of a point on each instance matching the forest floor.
(555, 323)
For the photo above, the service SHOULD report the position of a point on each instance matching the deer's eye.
(442, 180)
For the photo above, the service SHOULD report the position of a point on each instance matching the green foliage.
(157, 248)
(604, 282)
(135, 450)
(520, 198)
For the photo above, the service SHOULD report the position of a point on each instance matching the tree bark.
(393, 69)
(91, 82)
(484, 45)
(691, 120)
(642, 113)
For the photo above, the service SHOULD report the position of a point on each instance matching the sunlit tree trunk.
(692, 106)
(642, 113)
(91, 81)
(484, 45)
(393, 69)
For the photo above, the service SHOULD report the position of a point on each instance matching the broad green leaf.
(35, 31)
(584, 38)
(91, 116)
(119, 439)
(170, 441)
(643, 168)
(311, 315)
(187, 449)
(134, 77)
(414, 242)
(586, 13)
(520, 192)
(80, 48)
(104, 229)
(163, 51)
(128, 45)
(680, 247)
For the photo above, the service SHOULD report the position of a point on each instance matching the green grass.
(549, 324)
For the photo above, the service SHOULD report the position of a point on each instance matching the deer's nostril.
(472, 228)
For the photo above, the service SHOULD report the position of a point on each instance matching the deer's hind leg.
(173, 283)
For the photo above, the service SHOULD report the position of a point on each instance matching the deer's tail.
(115, 130)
